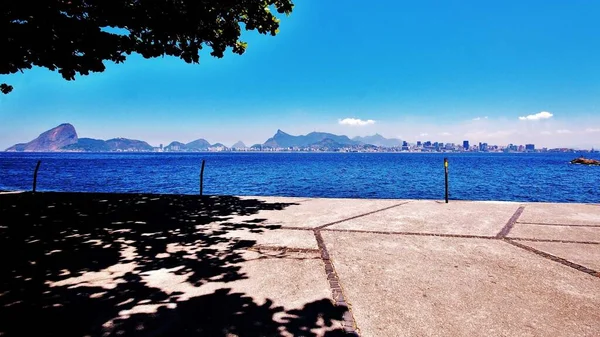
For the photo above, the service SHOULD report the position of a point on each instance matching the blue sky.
(420, 70)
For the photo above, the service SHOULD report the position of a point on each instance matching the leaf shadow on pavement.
(73, 264)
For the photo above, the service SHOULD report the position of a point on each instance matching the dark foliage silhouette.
(47, 240)
(76, 37)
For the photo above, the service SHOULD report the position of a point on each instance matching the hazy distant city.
(64, 138)
(419, 146)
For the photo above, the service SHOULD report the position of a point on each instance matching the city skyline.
(314, 140)
(496, 73)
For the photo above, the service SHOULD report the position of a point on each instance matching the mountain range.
(284, 140)
(65, 138)
(378, 140)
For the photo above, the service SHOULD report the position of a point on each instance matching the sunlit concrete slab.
(428, 216)
(566, 233)
(574, 214)
(586, 255)
(434, 286)
(318, 212)
(274, 237)
(289, 281)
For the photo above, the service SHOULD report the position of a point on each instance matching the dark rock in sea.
(584, 161)
(51, 140)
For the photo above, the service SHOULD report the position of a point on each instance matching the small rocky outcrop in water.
(585, 161)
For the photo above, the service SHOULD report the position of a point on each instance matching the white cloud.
(355, 122)
(545, 133)
(445, 134)
(480, 118)
(424, 134)
(537, 116)
(563, 131)
(590, 130)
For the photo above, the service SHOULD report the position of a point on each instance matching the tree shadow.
(73, 265)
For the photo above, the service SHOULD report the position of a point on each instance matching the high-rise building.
(529, 147)
(418, 143)
(466, 145)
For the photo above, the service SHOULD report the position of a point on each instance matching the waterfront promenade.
(151, 265)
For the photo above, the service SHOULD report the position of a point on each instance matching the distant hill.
(218, 145)
(238, 146)
(64, 138)
(198, 145)
(327, 143)
(285, 140)
(116, 144)
(87, 145)
(378, 140)
(124, 144)
(51, 140)
(176, 146)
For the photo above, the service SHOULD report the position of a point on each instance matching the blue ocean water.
(472, 176)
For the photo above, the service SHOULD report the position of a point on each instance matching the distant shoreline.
(299, 152)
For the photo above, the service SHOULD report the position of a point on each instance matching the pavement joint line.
(337, 293)
(462, 236)
(554, 258)
(511, 222)
(556, 224)
(361, 215)
(553, 240)
(283, 249)
(297, 228)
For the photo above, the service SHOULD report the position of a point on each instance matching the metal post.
(446, 176)
(37, 167)
(202, 177)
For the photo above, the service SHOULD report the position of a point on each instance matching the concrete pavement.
(392, 267)
(426, 268)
